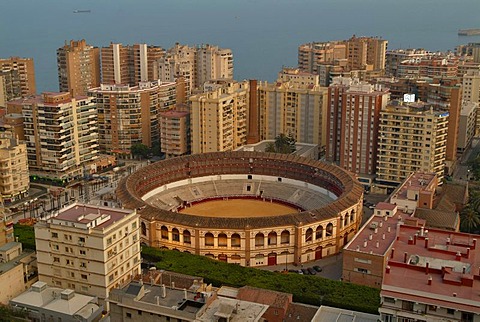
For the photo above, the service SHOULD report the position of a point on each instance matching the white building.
(88, 249)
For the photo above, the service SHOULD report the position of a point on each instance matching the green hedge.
(26, 235)
(305, 289)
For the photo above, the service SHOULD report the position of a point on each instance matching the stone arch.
(259, 239)
(209, 239)
(309, 235)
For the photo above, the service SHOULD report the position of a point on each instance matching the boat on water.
(82, 11)
(469, 32)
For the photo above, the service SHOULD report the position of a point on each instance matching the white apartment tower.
(89, 249)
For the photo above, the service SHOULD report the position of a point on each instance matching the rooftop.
(417, 181)
(89, 216)
(435, 267)
(233, 310)
(327, 313)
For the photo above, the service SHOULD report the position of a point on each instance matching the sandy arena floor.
(238, 208)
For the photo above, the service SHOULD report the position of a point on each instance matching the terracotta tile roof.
(439, 219)
(259, 295)
(300, 312)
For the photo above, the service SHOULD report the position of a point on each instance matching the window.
(83, 252)
(451, 311)
(54, 235)
(55, 247)
(110, 278)
(109, 241)
(83, 265)
(56, 259)
(222, 240)
(186, 237)
(408, 306)
(235, 240)
(361, 270)
(81, 239)
(388, 300)
(128, 315)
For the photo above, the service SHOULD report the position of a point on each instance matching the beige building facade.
(17, 78)
(219, 118)
(14, 175)
(78, 67)
(294, 105)
(412, 137)
(174, 133)
(129, 115)
(89, 249)
(61, 134)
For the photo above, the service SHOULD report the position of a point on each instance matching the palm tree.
(469, 219)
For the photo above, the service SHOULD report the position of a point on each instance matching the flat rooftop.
(436, 267)
(417, 181)
(89, 216)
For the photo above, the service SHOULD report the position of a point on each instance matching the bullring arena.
(248, 208)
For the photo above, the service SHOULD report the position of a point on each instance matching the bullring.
(326, 204)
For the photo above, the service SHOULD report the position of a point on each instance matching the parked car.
(305, 271)
(299, 271)
(311, 271)
(317, 268)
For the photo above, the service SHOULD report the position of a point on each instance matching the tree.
(283, 144)
(140, 150)
(469, 220)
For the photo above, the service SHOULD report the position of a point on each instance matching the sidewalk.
(331, 267)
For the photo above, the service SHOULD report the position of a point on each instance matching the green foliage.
(305, 289)
(283, 144)
(470, 215)
(139, 149)
(8, 314)
(26, 235)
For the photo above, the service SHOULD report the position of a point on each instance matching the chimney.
(158, 299)
(383, 236)
(426, 242)
(429, 280)
(464, 269)
(458, 256)
(393, 252)
(427, 266)
(468, 253)
(474, 243)
(422, 231)
(405, 255)
(385, 218)
(380, 224)
(387, 270)
(370, 237)
(448, 240)
(454, 294)
(410, 240)
(378, 244)
(376, 230)
(164, 291)
(388, 229)
(415, 239)
(365, 243)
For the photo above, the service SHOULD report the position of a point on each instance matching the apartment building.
(294, 105)
(14, 174)
(129, 115)
(433, 66)
(467, 126)
(78, 67)
(88, 249)
(359, 53)
(353, 116)
(17, 78)
(174, 133)
(61, 134)
(412, 137)
(431, 275)
(219, 117)
(197, 65)
(131, 64)
(393, 58)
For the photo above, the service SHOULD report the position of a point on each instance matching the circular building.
(249, 208)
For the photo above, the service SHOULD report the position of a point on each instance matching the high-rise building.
(294, 105)
(130, 65)
(88, 249)
(393, 58)
(14, 183)
(129, 115)
(466, 126)
(196, 65)
(356, 53)
(219, 118)
(174, 133)
(412, 137)
(17, 78)
(353, 116)
(471, 86)
(78, 67)
(61, 134)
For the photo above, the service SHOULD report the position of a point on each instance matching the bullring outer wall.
(252, 241)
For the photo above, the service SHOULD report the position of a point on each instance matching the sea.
(263, 34)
